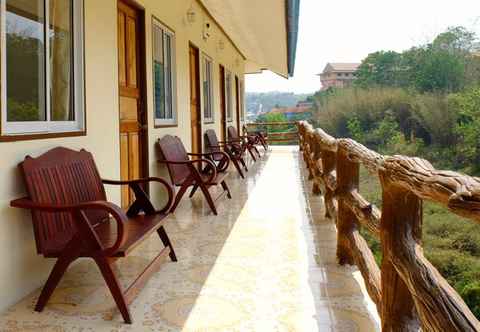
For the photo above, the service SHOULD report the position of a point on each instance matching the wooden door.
(132, 120)
(223, 106)
(237, 102)
(195, 109)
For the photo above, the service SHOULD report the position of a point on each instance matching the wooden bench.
(185, 172)
(72, 218)
(245, 142)
(234, 151)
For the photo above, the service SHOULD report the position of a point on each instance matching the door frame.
(237, 102)
(199, 97)
(223, 104)
(142, 80)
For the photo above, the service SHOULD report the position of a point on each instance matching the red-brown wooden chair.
(185, 173)
(235, 152)
(258, 137)
(243, 142)
(72, 218)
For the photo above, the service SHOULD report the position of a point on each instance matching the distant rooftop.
(340, 67)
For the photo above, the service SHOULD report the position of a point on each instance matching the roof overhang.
(265, 32)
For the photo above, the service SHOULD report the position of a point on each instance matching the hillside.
(262, 102)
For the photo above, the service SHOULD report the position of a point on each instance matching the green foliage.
(272, 117)
(467, 105)
(445, 65)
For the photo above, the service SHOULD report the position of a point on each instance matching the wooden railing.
(408, 290)
(277, 132)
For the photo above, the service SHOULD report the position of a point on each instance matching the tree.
(456, 40)
(379, 69)
(436, 70)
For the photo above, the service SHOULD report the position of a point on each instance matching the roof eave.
(292, 15)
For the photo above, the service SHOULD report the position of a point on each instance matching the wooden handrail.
(277, 137)
(408, 290)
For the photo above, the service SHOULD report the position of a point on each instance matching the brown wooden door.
(223, 106)
(132, 120)
(195, 110)
(237, 102)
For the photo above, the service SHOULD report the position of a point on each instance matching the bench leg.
(55, 276)
(114, 286)
(242, 161)
(225, 187)
(178, 197)
(194, 189)
(237, 166)
(251, 154)
(166, 242)
(209, 199)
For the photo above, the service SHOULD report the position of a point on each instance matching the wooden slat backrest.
(211, 143)
(232, 132)
(171, 149)
(61, 176)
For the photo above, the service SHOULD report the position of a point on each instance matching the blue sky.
(348, 30)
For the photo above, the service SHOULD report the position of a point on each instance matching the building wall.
(21, 270)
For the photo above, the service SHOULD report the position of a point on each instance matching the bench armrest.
(79, 217)
(134, 183)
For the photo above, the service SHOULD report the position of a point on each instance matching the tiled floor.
(265, 263)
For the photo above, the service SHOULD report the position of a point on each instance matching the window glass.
(61, 60)
(228, 88)
(44, 66)
(207, 89)
(25, 61)
(163, 67)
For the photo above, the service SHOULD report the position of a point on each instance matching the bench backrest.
(171, 149)
(232, 132)
(61, 176)
(211, 141)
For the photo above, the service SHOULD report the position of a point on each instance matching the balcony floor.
(265, 263)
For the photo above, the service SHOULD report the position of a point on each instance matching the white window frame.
(159, 122)
(48, 126)
(205, 59)
(229, 95)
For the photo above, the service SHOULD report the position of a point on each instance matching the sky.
(348, 30)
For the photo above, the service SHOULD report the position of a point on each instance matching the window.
(207, 80)
(43, 66)
(228, 93)
(164, 75)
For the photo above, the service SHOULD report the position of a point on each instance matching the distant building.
(303, 110)
(338, 75)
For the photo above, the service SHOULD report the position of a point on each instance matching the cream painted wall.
(173, 15)
(21, 270)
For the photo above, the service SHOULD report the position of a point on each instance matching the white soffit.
(258, 28)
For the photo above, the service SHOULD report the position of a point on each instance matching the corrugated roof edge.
(292, 14)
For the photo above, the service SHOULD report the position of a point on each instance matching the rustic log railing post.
(329, 170)
(347, 181)
(408, 290)
(400, 225)
(316, 167)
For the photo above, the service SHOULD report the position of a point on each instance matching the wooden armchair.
(242, 141)
(185, 173)
(258, 137)
(235, 152)
(72, 218)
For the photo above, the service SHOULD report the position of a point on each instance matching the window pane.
(60, 36)
(25, 60)
(159, 73)
(207, 79)
(168, 72)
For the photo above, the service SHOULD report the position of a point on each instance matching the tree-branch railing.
(277, 132)
(408, 290)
